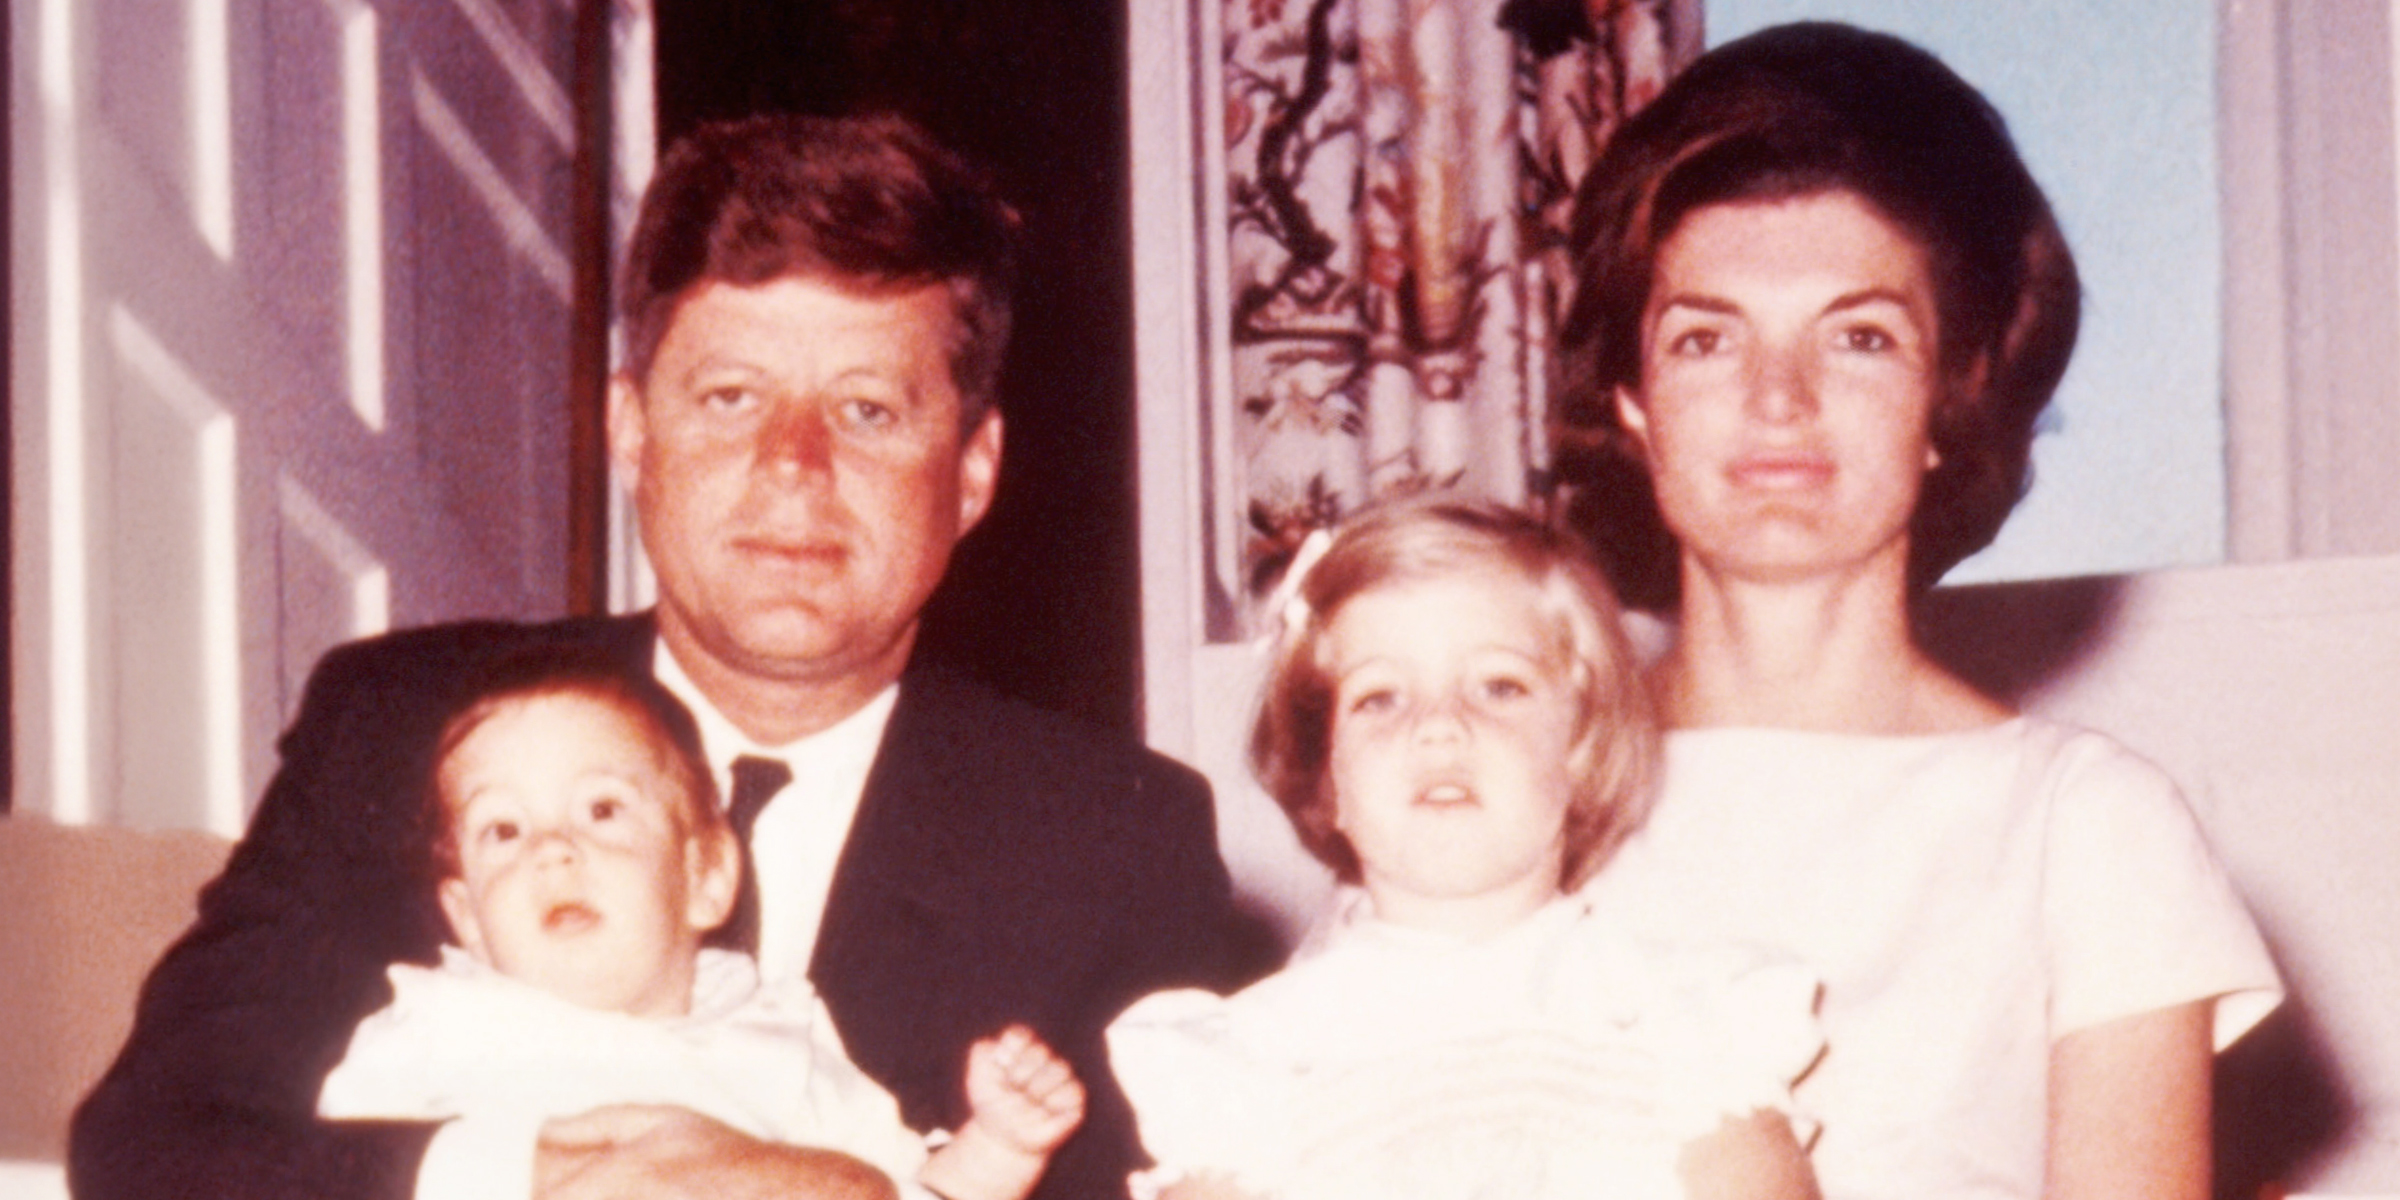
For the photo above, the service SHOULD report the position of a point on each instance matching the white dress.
(1969, 899)
(1558, 1060)
(495, 1058)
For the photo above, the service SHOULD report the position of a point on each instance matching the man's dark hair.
(1801, 110)
(870, 204)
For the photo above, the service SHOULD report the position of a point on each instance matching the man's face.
(801, 476)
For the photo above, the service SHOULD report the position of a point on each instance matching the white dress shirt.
(799, 836)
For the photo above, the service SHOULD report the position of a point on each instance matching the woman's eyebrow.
(1702, 301)
(1873, 295)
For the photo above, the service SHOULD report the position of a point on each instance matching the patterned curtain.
(1398, 175)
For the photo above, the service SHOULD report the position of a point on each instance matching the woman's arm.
(1751, 1158)
(2129, 1107)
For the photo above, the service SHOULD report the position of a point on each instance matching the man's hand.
(657, 1152)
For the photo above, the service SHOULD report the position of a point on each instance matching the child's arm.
(1025, 1101)
(1748, 1158)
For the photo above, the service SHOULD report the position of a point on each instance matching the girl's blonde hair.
(1441, 537)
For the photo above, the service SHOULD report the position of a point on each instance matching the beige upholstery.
(83, 914)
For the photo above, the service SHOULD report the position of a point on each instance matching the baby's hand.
(1022, 1092)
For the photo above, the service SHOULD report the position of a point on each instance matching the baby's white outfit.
(1556, 1060)
(494, 1057)
(1969, 899)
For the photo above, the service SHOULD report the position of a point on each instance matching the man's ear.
(1633, 419)
(628, 426)
(978, 471)
(712, 873)
(459, 906)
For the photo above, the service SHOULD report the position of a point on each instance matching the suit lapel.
(891, 875)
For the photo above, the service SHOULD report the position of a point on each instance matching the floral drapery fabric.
(1398, 179)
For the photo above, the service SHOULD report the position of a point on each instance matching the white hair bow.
(1286, 601)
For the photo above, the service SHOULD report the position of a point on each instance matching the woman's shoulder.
(2060, 764)
(1998, 734)
(1774, 759)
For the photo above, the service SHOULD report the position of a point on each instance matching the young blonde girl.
(1455, 725)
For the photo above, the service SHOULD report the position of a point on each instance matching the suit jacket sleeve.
(1180, 930)
(214, 1094)
(1007, 866)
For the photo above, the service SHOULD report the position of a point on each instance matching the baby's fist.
(1022, 1092)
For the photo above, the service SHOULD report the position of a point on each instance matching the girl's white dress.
(495, 1058)
(1558, 1060)
(1969, 899)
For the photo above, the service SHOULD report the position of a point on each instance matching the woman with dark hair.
(1820, 304)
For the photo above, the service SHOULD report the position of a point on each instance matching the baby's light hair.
(1447, 537)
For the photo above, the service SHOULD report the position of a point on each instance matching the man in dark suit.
(815, 312)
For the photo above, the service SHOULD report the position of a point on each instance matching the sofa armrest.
(84, 912)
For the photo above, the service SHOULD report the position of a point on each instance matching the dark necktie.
(755, 781)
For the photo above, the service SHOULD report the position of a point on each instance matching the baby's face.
(578, 873)
(1455, 720)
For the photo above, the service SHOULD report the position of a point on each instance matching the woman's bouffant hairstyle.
(565, 670)
(871, 203)
(1801, 110)
(1437, 538)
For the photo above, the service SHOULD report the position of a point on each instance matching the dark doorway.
(1043, 599)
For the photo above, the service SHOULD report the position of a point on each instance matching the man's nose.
(796, 440)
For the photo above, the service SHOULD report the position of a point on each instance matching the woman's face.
(1789, 370)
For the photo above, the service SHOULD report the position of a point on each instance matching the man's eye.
(870, 414)
(1868, 338)
(1694, 343)
(726, 399)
